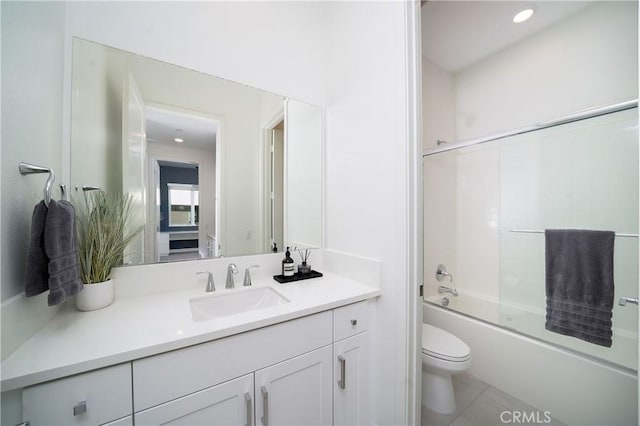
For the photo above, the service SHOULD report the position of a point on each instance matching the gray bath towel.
(37, 274)
(61, 247)
(579, 283)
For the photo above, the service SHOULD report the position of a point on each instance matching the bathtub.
(530, 322)
(576, 386)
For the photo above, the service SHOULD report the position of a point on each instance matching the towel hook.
(27, 169)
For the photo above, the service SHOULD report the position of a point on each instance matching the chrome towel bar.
(538, 231)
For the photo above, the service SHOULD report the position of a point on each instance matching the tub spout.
(444, 289)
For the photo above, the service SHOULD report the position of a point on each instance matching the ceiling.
(163, 126)
(457, 34)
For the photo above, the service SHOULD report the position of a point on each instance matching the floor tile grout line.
(470, 404)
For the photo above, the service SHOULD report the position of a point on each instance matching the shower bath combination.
(504, 192)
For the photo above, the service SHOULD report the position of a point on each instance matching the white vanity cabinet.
(311, 370)
(92, 398)
(351, 365)
(297, 391)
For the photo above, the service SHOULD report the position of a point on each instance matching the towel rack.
(538, 231)
(27, 169)
(87, 188)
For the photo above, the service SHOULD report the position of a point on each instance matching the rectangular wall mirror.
(215, 168)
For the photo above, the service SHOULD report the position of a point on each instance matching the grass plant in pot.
(104, 231)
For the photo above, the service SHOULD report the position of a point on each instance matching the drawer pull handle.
(27, 423)
(247, 399)
(343, 366)
(354, 322)
(81, 408)
(265, 405)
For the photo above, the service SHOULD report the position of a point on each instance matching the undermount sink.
(219, 305)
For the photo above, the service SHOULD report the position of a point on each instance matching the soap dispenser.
(288, 266)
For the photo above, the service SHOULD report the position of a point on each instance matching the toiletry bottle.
(288, 266)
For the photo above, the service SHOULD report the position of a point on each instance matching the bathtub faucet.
(444, 289)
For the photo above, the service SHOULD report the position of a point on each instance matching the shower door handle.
(624, 300)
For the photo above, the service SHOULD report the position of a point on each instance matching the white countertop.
(136, 327)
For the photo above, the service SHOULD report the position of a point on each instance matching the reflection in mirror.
(216, 168)
(183, 204)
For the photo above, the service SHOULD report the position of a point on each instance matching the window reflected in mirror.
(183, 204)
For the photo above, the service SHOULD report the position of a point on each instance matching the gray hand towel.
(579, 283)
(61, 247)
(37, 274)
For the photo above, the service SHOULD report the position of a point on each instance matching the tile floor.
(478, 404)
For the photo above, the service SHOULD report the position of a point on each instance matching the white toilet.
(443, 354)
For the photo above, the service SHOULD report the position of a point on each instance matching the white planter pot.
(95, 296)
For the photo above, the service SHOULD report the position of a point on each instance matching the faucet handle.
(247, 275)
(210, 285)
(441, 273)
(231, 270)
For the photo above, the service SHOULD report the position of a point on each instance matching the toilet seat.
(443, 345)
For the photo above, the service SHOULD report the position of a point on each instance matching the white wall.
(440, 180)
(367, 190)
(438, 105)
(31, 121)
(277, 47)
(31, 132)
(587, 60)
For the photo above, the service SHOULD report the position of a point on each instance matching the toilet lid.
(441, 344)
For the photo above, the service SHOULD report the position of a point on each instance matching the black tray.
(297, 277)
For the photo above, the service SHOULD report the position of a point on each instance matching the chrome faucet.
(247, 275)
(231, 270)
(444, 289)
(210, 286)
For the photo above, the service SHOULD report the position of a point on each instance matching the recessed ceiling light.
(523, 15)
(177, 139)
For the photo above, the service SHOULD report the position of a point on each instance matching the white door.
(134, 146)
(229, 403)
(351, 374)
(152, 230)
(277, 189)
(296, 392)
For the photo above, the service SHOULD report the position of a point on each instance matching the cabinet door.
(351, 395)
(296, 392)
(229, 403)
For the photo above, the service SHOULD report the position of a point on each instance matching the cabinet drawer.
(349, 320)
(86, 399)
